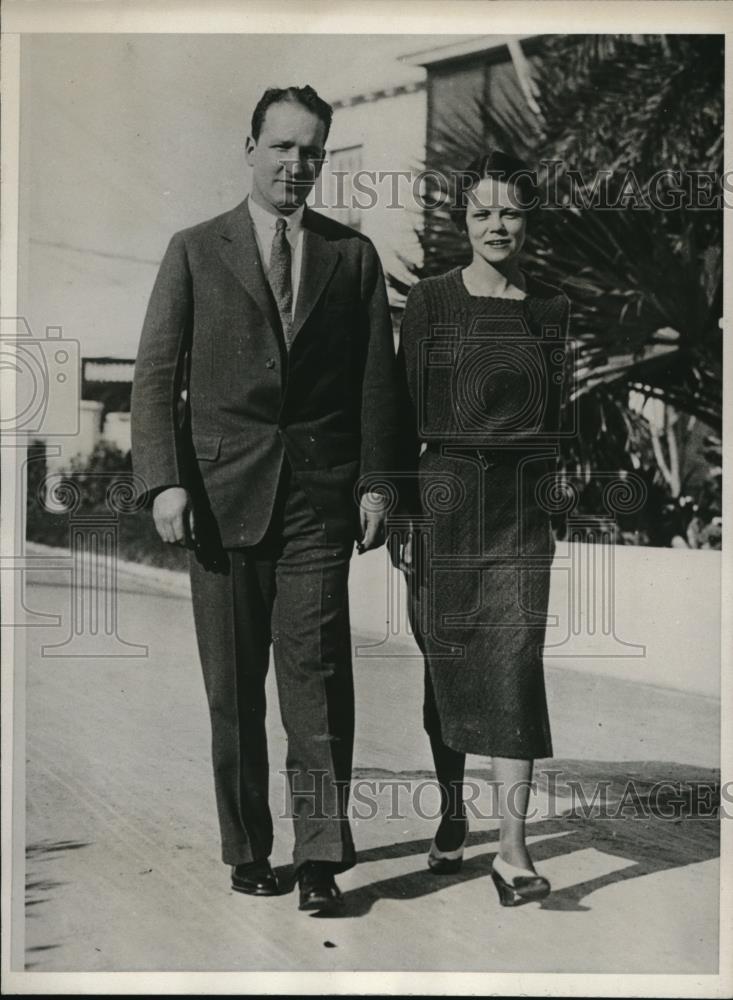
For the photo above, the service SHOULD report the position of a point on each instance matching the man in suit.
(276, 321)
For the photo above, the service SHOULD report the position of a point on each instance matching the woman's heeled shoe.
(446, 862)
(517, 885)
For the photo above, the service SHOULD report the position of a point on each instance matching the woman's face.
(496, 226)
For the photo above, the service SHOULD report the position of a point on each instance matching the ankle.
(451, 832)
(516, 856)
(453, 813)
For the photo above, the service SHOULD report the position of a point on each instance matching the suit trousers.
(289, 593)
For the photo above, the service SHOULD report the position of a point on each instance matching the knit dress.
(484, 380)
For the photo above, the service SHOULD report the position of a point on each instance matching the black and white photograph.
(364, 603)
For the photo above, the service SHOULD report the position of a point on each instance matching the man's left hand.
(372, 515)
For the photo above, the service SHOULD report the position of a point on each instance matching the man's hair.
(502, 167)
(306, 96)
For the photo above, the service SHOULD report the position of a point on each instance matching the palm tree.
(645, 285)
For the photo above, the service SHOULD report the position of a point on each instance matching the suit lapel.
(238, 250)
(319, 260)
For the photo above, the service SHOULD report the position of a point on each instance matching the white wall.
(391, 131)
(61, 450)
(117, 430)
(667, 600)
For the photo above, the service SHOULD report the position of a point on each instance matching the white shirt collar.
(265, 222)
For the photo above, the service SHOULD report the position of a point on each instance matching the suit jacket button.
(270, 363)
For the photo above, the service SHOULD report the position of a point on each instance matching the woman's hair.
(501, 167)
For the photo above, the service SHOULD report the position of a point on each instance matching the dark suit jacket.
(330, 403)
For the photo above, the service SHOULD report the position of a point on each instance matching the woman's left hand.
(401, 554)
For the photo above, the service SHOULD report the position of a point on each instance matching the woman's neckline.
(501, 298)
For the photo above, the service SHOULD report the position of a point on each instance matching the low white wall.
(666, 600)
(662, 614)
(117, 430)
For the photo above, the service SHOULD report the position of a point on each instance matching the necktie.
(280, 277)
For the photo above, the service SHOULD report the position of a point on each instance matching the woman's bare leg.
(513, 777)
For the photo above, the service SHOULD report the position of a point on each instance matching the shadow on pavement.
(656, 816)
(38, 888)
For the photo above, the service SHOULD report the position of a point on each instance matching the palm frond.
(645, 286)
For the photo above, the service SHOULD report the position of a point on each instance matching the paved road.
(122, 857)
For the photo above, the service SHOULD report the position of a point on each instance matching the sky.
(127, 138)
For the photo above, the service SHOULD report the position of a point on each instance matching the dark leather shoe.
(447, 862)
(255, 878)
(521, 888)
(318, 889)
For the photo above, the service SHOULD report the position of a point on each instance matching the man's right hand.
(171, 512)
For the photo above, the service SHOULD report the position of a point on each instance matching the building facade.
(381, 142)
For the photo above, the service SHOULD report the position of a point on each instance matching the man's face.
(287, 157)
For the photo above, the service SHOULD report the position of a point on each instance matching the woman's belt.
(488, 457)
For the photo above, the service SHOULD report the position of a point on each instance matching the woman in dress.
(482, 349)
